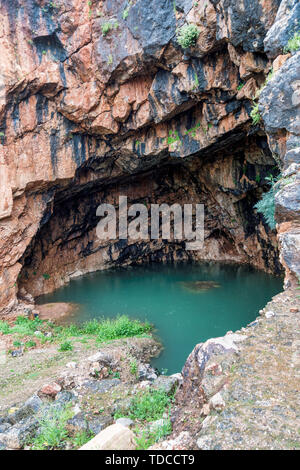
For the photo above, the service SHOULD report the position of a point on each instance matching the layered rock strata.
(98, 98)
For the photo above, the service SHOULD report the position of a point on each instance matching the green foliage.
(4, 327)
(266, 206)
(240, 86)
(133, 367)
(66, 346)
(187, 35)
(53, 432)
(293, 44)
(193, 130)
(106, 27)
(30, 344)
(149, 405)
(25, 327)
(106, 330)
(81, 438)
(255, 114)
(46, 276)
(126, 11)
(173, 137)
(146, 438)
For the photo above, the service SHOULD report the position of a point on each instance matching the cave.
(228, 183)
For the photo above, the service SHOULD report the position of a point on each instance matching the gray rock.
(65, 397)
(17, 352)
(16, 436)
(166, 383)
(122, 406)
(102, 358)
(146, 372)
(285, 25)
(279, 101)
(78, 423)
(95, 425)
(30, 407)
(94, 386)
(4, 427)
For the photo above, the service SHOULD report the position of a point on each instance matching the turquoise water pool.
(187, 303)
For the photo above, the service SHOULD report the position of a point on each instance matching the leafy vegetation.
(293, 44)
(66, 346)
(149, 405)
(146, 437)
(53, 431)
(266, 206)
(187, 35)
(99, 330)
(133, 367)
(173, 137)
(255, 114)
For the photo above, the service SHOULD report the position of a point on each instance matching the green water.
(183, 316)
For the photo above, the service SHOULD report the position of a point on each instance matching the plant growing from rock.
(293, 44)
(53, 432)
(266, 206)
(105, 28)
(187, 35)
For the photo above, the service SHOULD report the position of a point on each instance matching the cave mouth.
(187, 302)
(228, 182)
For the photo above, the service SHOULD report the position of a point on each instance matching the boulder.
(114, 437)
(146, 372)
(166, 383)
(127, 422)
(30, 407)
(16, 436)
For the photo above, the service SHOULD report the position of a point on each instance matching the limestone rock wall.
(94, 93)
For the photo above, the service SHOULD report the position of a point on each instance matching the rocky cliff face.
(98, 99)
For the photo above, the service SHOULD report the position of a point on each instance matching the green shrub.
(147, 438)
(149, 405)
(4, 327)
(133, 367)
(266, 206)
(66, 346)
(81, 438)
(53, 432)
(106, 27)
(25, 327)
(293, 44)
(125, 13)
(187, 35)
(255, 115)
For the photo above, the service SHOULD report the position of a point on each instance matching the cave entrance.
(228, 182)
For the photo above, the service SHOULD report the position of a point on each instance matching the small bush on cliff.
(293, 44)
(266, 206)
(187, 35)
(106, 27)
(255, 115)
